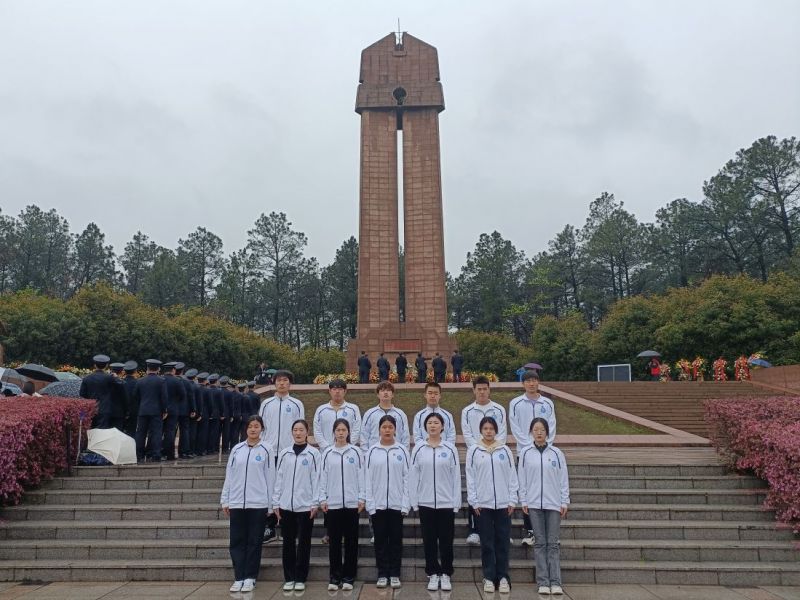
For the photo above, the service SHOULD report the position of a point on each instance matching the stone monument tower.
(399, 90)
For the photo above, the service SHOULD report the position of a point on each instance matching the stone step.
(606, 550)
(570, 529)
(578, 511)
(521, 571)
(171, 498)
(197, 468)
(711, 482)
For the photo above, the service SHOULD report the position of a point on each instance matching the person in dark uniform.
(101, 387)
(364, 366)
(118, 397)
(131, 407)
(457, 362)
(227, 412)
(439, 368)
(204, 414)
(176, 404)
(217, 413)
(262, 377)
(255, 399)
(193, 392)
(401, 362)
(236, 415)
(422, 368)
(151, 396)
(244, 409)
(186, 409)
(383, 368)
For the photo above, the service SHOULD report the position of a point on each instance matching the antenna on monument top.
(398, 36)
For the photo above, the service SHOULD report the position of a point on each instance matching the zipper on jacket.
(387, 480)
(541, 479)
(294, 473)
(341, 457)
(246, 469)
(494, 485)
(278, 443)
(434, 478)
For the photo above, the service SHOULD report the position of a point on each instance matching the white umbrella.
(118, 448)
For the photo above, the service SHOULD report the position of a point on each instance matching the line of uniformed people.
(204, 412)
(425, 480)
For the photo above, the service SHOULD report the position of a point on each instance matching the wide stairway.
(637, 516)
(678, 404)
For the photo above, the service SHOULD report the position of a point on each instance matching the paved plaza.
(414, 591)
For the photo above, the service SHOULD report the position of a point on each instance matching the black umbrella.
(63, 389)
(38, 372)
(648, 354)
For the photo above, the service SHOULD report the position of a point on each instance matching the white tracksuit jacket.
(491, 477)
(370, 430)
(278, 415)
(341, 477)
(521, 412)
(420, 435)
(324, 418)
(386, 478)
(471, 421)
(543, 478)
(249, 477)
(296, 481)
(435, 477)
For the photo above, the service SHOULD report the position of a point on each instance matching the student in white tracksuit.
(522, 410)
(492, 491)
(246, 498)
(387, 466)
(433, 394)
(295, 502)
(435, 488)
(471, 417)
(329, 412)
(278, 414)
(544, 494)
(342, 497)
(370, 432)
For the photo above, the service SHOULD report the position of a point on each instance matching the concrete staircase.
(678, 404)
(630, 522)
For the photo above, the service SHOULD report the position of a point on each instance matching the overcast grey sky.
(168, 115)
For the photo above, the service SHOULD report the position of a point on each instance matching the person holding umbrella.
(653, 365)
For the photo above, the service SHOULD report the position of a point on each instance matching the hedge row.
(33, 445)
(762, 435)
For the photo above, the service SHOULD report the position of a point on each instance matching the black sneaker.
(269, 535)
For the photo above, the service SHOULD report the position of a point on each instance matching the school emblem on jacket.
(399, 458)
(552, 462)
(443, 455)
(288, 409)
(305, 462)
(502, 456)
(352, 460)
(543, 409)
(258, 458)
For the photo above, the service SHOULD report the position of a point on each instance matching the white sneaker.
(382, 582)
(347, 587)
(445, 583)
(395, 582)
(249, 585)
(528, 540)
(473, 539)
(288, 586)
(556, 589)
(237, 585)
(325, 539)
(488, 586)
(433, 583)
(372, 540)
(299, 586)
(332, 587)
(504, 588)
(543, 589)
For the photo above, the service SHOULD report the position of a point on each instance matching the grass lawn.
(571, 419)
